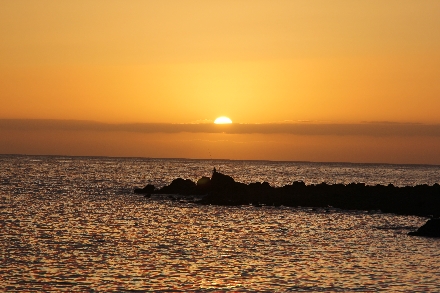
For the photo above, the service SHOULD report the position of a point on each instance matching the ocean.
(73, 224)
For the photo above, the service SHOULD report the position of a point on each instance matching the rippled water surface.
(72, 224)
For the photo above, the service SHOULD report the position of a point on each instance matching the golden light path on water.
(72, 224)
(130, 243)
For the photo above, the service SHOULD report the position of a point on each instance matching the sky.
(318, 80)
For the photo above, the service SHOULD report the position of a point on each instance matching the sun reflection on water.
(74, 225)
(131, 243)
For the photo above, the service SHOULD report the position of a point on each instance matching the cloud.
(358, 129)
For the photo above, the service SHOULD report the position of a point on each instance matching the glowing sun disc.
(223, 120)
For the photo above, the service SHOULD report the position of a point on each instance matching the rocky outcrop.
(203, 185)
(149, 189)
(221, 189)
(430, 229)
(179, 186)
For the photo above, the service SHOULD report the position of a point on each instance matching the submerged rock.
(429, 229)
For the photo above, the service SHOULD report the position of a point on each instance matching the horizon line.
(364, 128)
(210, 159)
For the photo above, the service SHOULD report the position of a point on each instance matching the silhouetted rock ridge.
(222, 189)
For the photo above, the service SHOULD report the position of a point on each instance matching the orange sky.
(257, 62)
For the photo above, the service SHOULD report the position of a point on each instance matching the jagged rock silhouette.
(221, 189)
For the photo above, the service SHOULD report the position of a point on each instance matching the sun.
(223, 120)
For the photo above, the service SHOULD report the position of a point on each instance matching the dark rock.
(149, 189)
(430, 229)
(204, 181)
(203, 185)
(225, 191)
(179, 186)
(221, 189)
(221, 181)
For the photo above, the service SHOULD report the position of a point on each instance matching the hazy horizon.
(368, 142)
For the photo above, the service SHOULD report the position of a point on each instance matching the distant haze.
(363, 142)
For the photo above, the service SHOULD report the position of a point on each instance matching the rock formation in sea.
(221, 189)
(148, 189)
(429, 229)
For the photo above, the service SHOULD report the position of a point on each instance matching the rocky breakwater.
(221, 189)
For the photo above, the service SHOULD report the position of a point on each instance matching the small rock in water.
(430, 229)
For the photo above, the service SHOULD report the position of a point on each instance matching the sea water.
(73, 224)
